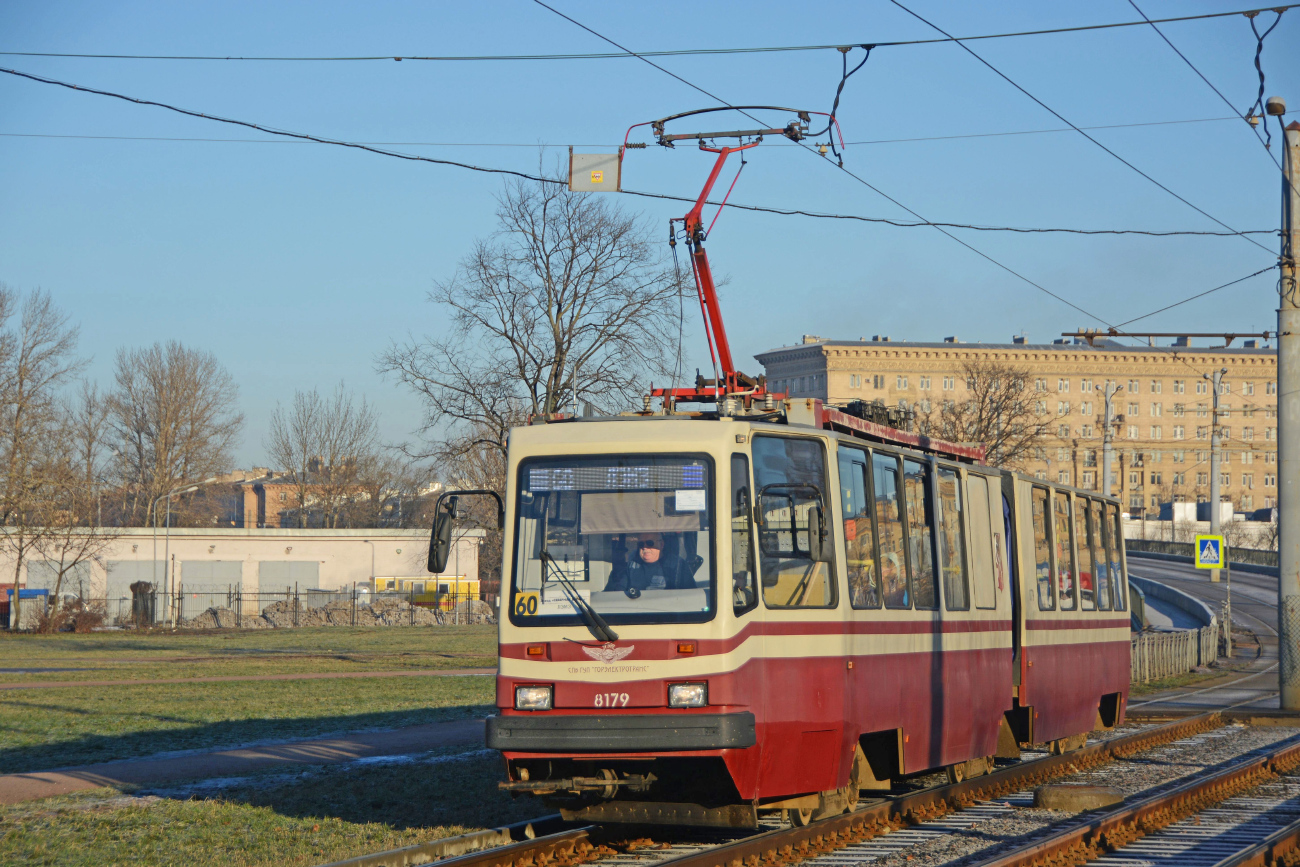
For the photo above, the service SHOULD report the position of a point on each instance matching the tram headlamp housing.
(533, 697)
(688, 694)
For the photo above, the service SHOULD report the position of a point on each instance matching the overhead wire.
(627, 54)
(1066, 121)
(1259, 50)
(889, 198)
(1196, 296)
(1207, 81)
(306, 138)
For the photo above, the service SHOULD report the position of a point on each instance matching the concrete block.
(1074, 798)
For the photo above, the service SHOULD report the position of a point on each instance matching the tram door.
(804, 677)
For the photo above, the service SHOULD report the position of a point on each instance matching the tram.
(767, 603)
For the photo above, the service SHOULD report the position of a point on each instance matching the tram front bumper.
(561, 733)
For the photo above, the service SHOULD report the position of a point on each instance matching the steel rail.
(489, 848)
(576, 846)
(1112, 830)
(797, 844)
(1280, 847)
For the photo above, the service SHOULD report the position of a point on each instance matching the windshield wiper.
(594, 622)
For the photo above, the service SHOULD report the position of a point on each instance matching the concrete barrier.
(1184, 602)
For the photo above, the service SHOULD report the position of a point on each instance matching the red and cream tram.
(708, 617)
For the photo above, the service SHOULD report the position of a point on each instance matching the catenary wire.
(1208, 83)
(1062, 118)
(642, 54)
(881, 193)
(1196, 296)
(304, 138)
(616, 144)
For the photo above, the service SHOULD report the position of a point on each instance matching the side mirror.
(819, 543)
(440, 539)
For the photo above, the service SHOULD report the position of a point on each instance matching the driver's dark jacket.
(640, 575)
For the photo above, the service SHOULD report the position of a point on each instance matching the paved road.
(238, 762)
(1254, 609)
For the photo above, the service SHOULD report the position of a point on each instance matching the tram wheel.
(799, 817)
(957, 773)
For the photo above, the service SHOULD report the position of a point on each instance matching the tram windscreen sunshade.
(632, 536)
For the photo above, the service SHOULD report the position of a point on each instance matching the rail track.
(957, 804)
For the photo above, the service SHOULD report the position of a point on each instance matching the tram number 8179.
(612, 699)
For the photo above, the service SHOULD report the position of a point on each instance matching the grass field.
(46, 728)
(319, 815)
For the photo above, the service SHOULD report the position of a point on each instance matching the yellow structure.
(430, 586)
(1162, 408)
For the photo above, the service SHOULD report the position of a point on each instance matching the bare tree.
(322, 443)
(175, 420)
(569, 298)
(1000, 411)
(36, 361)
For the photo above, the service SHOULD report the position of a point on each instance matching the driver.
(649, 567)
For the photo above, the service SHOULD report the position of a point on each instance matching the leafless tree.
(1000, 411)
(37, 346)
(175, 420)
(323, 442)
(570, 297)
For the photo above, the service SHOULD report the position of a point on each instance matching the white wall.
(342, 556)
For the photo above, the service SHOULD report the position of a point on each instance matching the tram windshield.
(631, 536)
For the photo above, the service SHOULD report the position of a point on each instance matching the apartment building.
(1162, 409)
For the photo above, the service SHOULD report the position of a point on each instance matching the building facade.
(1162, 410)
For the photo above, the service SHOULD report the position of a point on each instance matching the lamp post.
(183, 489)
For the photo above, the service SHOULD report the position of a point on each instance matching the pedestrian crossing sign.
(1209, 552)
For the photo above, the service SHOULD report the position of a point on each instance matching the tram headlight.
(688, 694)
(533, 697)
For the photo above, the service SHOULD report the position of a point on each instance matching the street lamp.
(183, 489)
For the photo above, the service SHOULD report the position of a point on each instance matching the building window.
(1134, 386)
(1156, 410)
(1041, 475)
(1132, 431)
(923, 405)
(1085, 407)
(1134, 478)
(1089, 478)
(1225, 387)
(1202, 457)
(1270, 412)
(1155, 478)
(1248, 457)
(1180, 478)
(1248, 433)
(878, 381)
(1040, 453)
(1179, 431)
(949, 383)
(283, 497)
(1063, 431)
(1202, 432)
(1248, 411)
(1178, 410)
(1225, 479)
(1202, 411)
(1085, 430)
(1270, 457)
(1085, 385)
(1270, 480)
(1062, 454)
(1202, 387)
(1063, 385)
(1090, 458)
(1155, 432)
(1177, 456)
(924, 383)
(1040, 407)
(1225, 432)
(1248, 480)
(1135, 501)
(1247, 502)
(1063, 407)
(1178, 386)
(1270, 388)
(1156, 385)
(902, 382)
(1270, 433)
(1040, 385)
(1133, 410)
(855, 381)
(1248, 388)
(1225, 411)
(1063, 477)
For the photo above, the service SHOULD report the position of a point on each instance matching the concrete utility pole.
(1216, 451)
(1288, 419)
(1107, 440)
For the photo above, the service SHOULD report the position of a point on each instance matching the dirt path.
(319, 675)
(238, 762)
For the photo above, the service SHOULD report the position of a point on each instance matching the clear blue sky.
(298, 263)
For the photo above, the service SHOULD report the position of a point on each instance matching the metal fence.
(1157, 655)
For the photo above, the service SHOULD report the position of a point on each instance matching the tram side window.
(920, 534)
(1102, 569)
(1113, 537)
(859, 534)
(1042, 552)
(796, 545)
(983, 569)
(1083, 544)
(889, 527)
(744, 595)
(952, 541)
(1064, 553)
